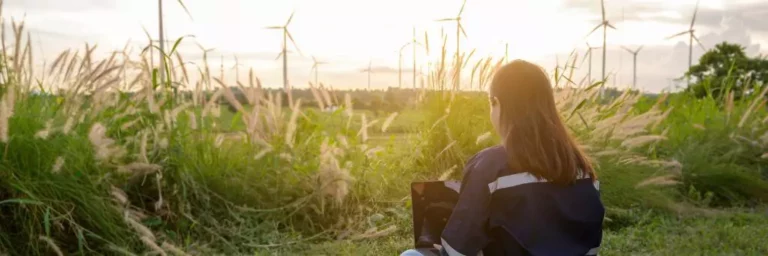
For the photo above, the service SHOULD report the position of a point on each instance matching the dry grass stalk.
(149, 242)
(388, 122)
(58, 164)
(333, 179)
(666, 180)
(290, 132)
(173, 249)
(52, 245)
(483, 137)
(641, 141)
(447, 173)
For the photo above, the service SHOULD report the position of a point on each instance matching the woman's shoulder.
(487, 160)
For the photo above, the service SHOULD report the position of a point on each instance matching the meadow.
(102, 158)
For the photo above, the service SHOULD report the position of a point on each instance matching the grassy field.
(88, 169)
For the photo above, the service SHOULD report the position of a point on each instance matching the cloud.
(751, 13)
(61, 6)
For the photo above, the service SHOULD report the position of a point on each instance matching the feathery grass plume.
(374, 233)
(318, 99)
(699, 126)
(6, 111)
(104, 147)
(139, 168)
(119, 196)
(334, 180)
(363, 132)
(662, 117)
(388, 122)
(752, 106)
(119, 250)
(129, 124)
(483, 137)
(343, 140)
(665, 180)
(192, 120)
(58, 164)
(641, 141)
(285, 156)
(348, 104)
(610, 152)
(219, 140)
(52, 245)
(149, 242)
(173, 249)
(143, 231)
(262, 153)
(290, 131)
(449, 146)
(447, 173)
(371, 153)
(45, 132)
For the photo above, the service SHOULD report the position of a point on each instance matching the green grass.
(308, 182)
(732, 233)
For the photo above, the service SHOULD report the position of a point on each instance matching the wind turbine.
(400, 65)
(369, 70)
(315, 67)
(605, 24)
(284, 53)
(589, 59)
(691, 37)
(634, 64)
(459, 31)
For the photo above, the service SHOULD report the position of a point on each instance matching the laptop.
(432, 204)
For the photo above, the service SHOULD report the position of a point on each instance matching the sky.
(350, 34)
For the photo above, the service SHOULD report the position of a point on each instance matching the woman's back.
(502, 212)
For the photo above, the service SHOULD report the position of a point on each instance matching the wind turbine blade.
(462, 30)
(602, 7)
(594, 29)
(293, 42)
(699, 42)
(314, 60)
(639, 48)
(695, 12)
(610, 25)
(426, 41)
(274, 27)
(279, 55)
(678, 34)
(462, 8)
(627, 49)
(446, 19)
(290, 18)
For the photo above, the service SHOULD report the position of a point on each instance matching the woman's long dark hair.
(536, 139)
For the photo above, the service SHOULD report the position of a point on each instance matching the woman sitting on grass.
(537, 193)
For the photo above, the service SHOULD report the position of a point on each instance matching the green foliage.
(727, 68)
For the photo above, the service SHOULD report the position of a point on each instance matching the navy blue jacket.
(501, 212)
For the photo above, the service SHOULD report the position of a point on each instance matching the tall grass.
(100, 157)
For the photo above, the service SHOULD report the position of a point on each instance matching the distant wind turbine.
(691, 37)
(369, 70)
(589, 59)
(400, 65)
(605, 24)
(459, 31)
(634, 64)
(161, 36)
(315, 67)
(284, 53)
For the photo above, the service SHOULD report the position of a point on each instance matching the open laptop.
(432, 204)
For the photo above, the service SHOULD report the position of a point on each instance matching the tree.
(727, 67)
